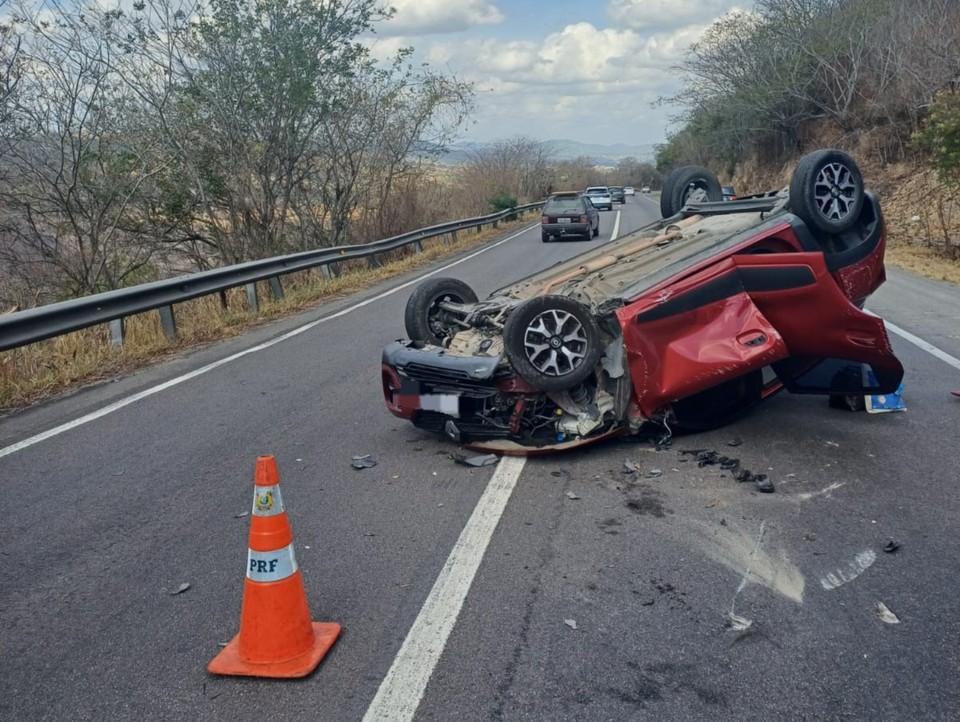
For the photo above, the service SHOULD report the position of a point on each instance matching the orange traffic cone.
(277, 638)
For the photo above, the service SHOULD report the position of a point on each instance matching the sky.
(582, 70)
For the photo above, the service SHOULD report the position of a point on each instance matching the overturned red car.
(686, 324)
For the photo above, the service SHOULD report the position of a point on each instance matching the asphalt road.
(618, 604)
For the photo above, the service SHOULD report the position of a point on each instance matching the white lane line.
(920, 343)
(616, 227)
(117, 405)
(402, 689)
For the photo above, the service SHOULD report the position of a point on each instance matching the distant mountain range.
(604, 155)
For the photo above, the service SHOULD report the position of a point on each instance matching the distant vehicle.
(616, 193)
(728, 193)
(645, 189)
(569, 214)
(628, 191)
(600, 197)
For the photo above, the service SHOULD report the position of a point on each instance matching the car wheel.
(690, 184)
(423, 317)
(596, 231)
(720, 405)
(826, 191)
(544, 236)
(552, 342)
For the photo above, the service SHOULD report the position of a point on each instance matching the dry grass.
(927, 262)
(32, 373)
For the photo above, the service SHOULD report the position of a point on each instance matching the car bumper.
(566, 229)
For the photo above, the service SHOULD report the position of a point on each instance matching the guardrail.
(21, 328)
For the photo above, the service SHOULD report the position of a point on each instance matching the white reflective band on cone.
(267, 501)
(271, 566)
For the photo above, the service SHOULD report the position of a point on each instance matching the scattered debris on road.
(735, 441)
(572, 623)
(181, 589)
(737, 623)
(571, 495)
(363, 462)
(854, 569)
(886, 615)
(241, 515)
(891, 546)
(484, 460)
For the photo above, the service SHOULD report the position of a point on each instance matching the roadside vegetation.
(165, 137)
(879, 78)
(32, 373)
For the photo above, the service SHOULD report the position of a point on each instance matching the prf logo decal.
(263, 501)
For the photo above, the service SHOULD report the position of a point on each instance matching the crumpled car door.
(695, 334)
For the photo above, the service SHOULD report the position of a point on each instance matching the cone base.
(229, 661)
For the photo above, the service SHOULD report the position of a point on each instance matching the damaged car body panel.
(687, 323)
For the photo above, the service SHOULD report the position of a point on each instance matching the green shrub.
(941, 137)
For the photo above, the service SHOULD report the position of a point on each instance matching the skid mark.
(737, 549)
(851, 571)
(810, 494)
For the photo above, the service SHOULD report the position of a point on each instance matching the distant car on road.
(569, 214)
(628, 191)
(728, 193)
(645, 189)
(616, 193)
(600, 197)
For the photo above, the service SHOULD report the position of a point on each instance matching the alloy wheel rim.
(834, 191)
(555, 342)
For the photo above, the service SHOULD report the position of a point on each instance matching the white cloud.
(579, 55)
(424, 17)
(666, 14)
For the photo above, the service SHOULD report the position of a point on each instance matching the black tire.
(720, 405)
(424, 319)
(544, 236)
(552, 342)
(691, 183)
(596, 231)
(826, 191)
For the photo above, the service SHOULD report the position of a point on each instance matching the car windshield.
(599, 191)
(563, 205)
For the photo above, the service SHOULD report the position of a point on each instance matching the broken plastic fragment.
(738, 624)
(653, 473)
(571, 495)
(485, 460)
(363, 462)
(735, 441)
(241, 515)
(851, 571)
(572, 623)
(630, 467)
(891, 546)
(886, 615)
(181, 589)
(764, 484)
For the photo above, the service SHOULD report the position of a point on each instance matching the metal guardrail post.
(253, 303)
(453, 237)
(375, 262)
(223, 300)
(116, 332)
(276, 288)
(168, 322)
(479, 228)
(418, 246)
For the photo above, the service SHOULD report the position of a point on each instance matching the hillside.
(562, 149)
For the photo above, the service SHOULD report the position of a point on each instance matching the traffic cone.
(277, 638)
